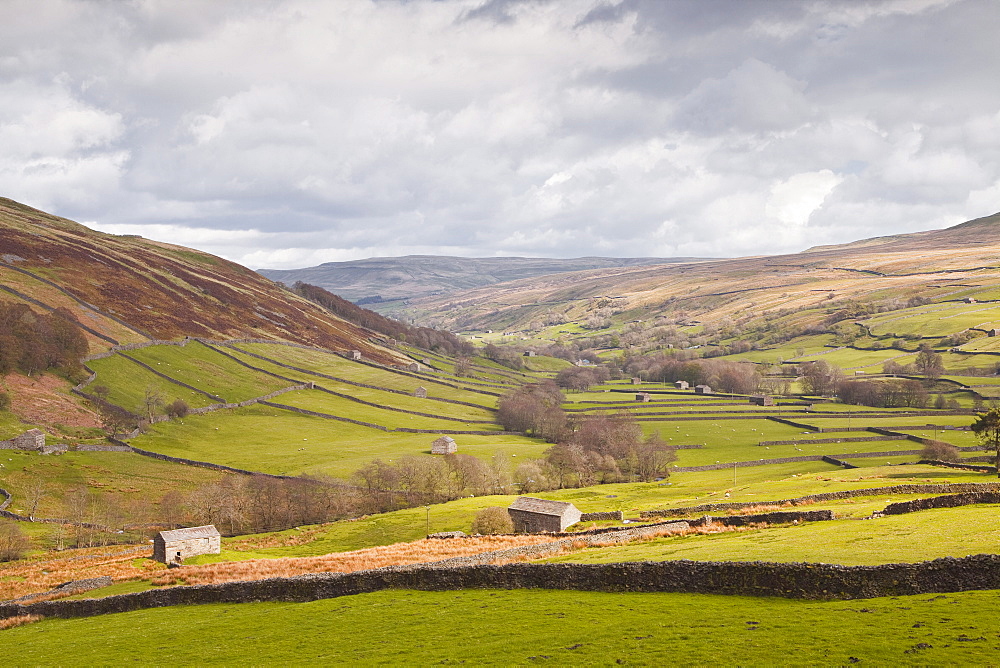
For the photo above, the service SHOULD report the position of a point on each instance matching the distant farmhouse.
(444, 446)
(531, 515)
(179, 544)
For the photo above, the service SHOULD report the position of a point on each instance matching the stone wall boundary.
(43, 305)
(7, 498)
(357, 384)
(172, 380)
(77, 299)
(399, 410)
(929, 488)
(949, 501)
(206, 465)
(325, 416)
(787, 580)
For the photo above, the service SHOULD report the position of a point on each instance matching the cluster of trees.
(894, 393)
(581, 378)
(421, 337)
(724, 375)
(34, 342)
(587, 450)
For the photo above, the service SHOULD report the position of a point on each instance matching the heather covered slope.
(126, 289)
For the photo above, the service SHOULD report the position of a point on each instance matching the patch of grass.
(485, 627)
(260, 438)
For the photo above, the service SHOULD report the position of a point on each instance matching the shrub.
(13, 542)
(493, 520)
(941, 451)
(178, 408)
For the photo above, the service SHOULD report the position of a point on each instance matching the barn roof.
(541, 506)
(445, 439)
(208, 531)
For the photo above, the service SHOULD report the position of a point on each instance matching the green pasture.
(323, 402)
(789, 350)
(384, 398)
(129, 382)
(11, 425)
(270, 440)
(204, 368)
(983, 344)
(525, 627)
(128, 478)
(334, 365)
(935, 320)
(852, 358)
(919, 536)
(546, 364)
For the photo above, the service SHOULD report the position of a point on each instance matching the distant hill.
(960, 261)
(126, 289)
(411, 276)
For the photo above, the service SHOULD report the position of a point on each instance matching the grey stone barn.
(445, 445)
(179, 544)
(762, 400)
(681, 385)
(420, 392)
(531, 515)
(702, 389)
(643, 396)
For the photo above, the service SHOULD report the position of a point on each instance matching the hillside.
(396, 278)
(126, 289)
(951, 264)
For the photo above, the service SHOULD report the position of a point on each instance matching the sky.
(285, 134)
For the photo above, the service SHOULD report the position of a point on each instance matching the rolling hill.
(953, 264)
(399, 278)
(126, 289)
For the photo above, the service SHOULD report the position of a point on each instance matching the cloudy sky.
(288, 133)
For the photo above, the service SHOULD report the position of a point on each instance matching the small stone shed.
(445, 445)
(762, 400)
(179, 544)
(993, 332)
(420, 392)
(681, 385)
(702, 389)
(531, 515)
(415, 366)
(643, 396)
(355, 354)
(33, 439)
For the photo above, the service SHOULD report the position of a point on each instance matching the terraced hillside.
(126, 289)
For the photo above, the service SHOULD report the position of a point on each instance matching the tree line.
(425, 338)
(33, 342)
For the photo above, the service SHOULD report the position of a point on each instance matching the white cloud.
(300, 132)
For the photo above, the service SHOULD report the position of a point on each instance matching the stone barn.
(445, 445)
(355, 354)
(529, 353)
(531, 515)
(414, 367)
(761, 400)
(681, 385)
(177, 545)
(702, 389)
(420, 392)
(993, 332)
(33, 439)
(643, 396)
(636, 381)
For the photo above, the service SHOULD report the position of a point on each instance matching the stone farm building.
(531, 515)
(702, 389)
(762, 400)
(179, 544)
(444, 446)
(681, 385)
(643, 396)
(420, 392)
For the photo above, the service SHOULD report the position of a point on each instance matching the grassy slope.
(524, 627)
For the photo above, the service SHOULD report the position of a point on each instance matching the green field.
(935, 320)
(486, 627)
(271, 440)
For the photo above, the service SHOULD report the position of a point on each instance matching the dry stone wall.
(942, 488)
(789, 580)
